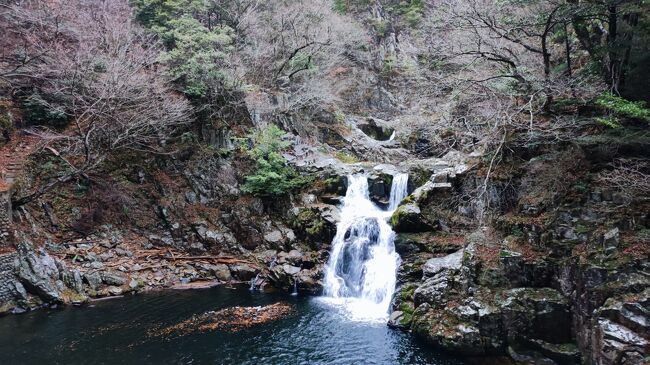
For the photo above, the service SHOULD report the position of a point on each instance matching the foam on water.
(361, 273)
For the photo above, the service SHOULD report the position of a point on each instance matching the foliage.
(41, 112)
(623, 107)
(156, 14)
(411, 10)
(196, 54)
(272, 176)
(346, 157)
(345, 6)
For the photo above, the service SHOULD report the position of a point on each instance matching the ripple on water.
(116, 332)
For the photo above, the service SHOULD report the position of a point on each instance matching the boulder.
(39, 273)
(113, 278)
(409, 219)
(243, 272)
(274, 237)
(94, 279)
(221, 272)
(436, 265)
(310, 281)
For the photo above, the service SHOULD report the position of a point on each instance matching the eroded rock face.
(39, 273)
(622, 330)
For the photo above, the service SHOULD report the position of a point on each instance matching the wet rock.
(379, 186)
(310, 281)
(243, 272)
(283, 276)
(395, 319)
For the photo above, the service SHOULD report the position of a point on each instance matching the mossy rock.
(409, 219)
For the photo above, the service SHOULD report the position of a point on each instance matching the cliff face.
(559, 275)
(524, 232)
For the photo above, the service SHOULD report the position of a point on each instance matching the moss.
(309, 222)
(407, 317)
(396, 217)
(346, 157)
(407, 292)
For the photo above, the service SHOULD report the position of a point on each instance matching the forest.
(439, 182)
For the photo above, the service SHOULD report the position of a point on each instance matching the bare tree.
(99, 70)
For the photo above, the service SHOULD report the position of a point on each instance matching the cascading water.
(360, 275)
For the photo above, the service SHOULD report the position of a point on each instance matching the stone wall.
(5, 219)
(8, 281)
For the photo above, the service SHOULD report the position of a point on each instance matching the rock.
(432, 291)
(114, 291)
(93, 279)
(617, 344)
(293, 257)
(133, 284)
(375, 129)
(536, 314)
(73, 280)
(222, 272)
(622, 330)
(310, 281)
(379, 189)
(395, 319)
(123, 252)
(274, 236)
(165, 241)
(243, 272)
(113, 278)
(611, 239)
(96, 265)
(39, 273)
(436, 265)
(565, 353)
(409, 219)
(290, 270)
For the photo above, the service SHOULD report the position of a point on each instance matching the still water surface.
(118, 332)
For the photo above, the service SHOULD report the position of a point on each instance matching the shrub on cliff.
(273, 176)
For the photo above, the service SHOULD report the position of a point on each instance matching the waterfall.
(398, 191)
(361, 273)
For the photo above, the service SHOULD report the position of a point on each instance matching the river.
(119, 331)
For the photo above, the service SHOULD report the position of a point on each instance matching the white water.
(361, 273)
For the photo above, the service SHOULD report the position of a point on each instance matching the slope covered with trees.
(216, 136)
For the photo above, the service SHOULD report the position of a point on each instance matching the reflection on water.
(119, 332)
